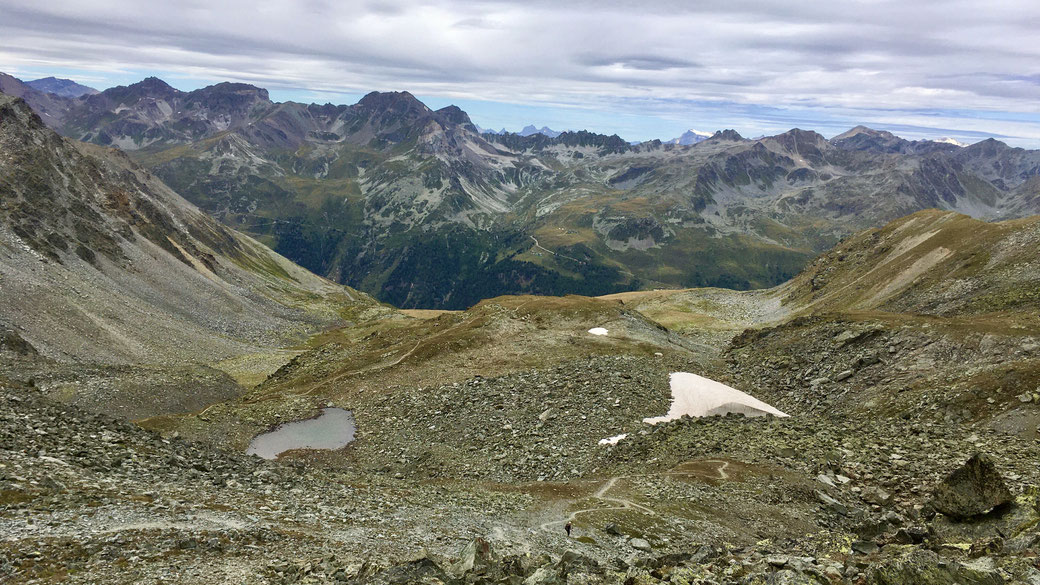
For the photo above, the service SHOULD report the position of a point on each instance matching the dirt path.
(540, 247)
(625, 504)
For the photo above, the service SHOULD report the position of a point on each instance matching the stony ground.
(87, 498)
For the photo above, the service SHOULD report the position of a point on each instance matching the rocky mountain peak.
(229, 88)
(862, 138)
(861, 129)
(228, 97)
(806, 143)
(149, 87)
(988, 147)
(399, 102)
(153, 86)
(456, 115)
(802, 136)
(727, 134)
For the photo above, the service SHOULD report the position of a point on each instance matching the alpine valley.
(419, 209)
(491, 358)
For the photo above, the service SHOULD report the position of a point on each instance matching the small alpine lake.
(332, 429)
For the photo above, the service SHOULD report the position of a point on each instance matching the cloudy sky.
(651, 69)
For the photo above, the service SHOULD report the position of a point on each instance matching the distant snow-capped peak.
(691, 136)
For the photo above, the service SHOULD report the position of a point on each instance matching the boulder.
(831, 504)
(705, 554)
(844, 375)
(574, 562)
(544, 576)
(422, 570)
(476, 558)
(972, 490)
(640, 544)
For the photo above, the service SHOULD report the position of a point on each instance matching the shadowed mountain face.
(391, 197)
(101, 261)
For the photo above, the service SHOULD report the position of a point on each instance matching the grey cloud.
(477, 22)
(880, 55)
(642, 62)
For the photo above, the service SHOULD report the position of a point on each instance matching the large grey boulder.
(972, 490)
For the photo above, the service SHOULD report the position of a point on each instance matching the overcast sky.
(651, 69)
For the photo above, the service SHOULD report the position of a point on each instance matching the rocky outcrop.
(11, 342)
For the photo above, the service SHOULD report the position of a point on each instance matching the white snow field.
(698, 396)
(598, 331)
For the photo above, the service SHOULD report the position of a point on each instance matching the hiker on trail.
(567, 527)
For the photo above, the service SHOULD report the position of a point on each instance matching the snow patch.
(613, 440)
(598, 331)
(698, 396)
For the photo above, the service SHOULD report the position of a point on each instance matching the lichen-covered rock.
(926, 568)
(972, 490)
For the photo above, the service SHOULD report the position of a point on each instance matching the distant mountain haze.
(62, 87)
(544, 130)
(525, 131)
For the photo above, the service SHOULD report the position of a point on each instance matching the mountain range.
(525, 131)
(544, 131)
(390, 196)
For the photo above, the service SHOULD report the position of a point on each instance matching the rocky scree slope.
(102, 262)
(932, 317)
(378, 193)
